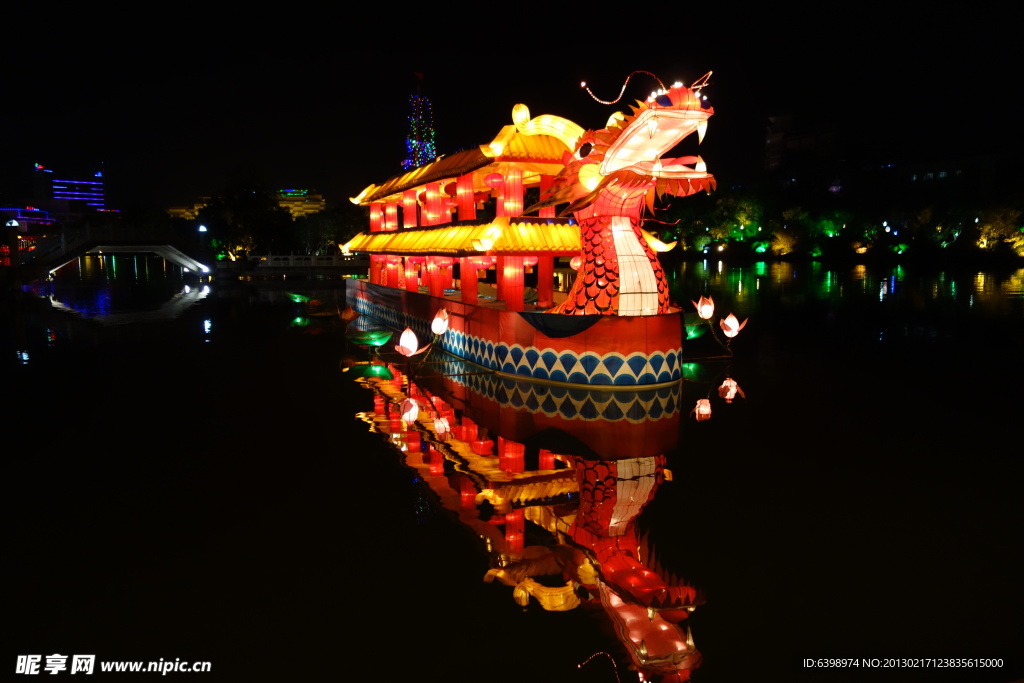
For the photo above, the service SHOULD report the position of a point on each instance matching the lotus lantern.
(440, 323)
(348, 315)
(731, 325)
(410, 411)
(702, 411)
(441, 428)
(730, 389)
(409, 345)
(705, 307)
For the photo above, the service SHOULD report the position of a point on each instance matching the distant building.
(29, 219)
(300, 202)
(67, 196)
(189, 211)
(296, 202)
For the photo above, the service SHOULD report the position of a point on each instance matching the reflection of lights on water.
(22, 357)
(207, 327)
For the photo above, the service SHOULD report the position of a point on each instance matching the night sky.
(179, 103)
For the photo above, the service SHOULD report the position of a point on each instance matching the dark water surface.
(189, 480)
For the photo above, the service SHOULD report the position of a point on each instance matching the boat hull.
(610, 351)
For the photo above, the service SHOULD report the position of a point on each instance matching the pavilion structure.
(437, 230)
(464, 213)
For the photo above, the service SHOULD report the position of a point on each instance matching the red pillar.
(470, 281)
(545, 280)
(510, 278)
(435, 279)
(412, 275)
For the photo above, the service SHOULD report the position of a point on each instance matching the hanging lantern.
(705, 307)
(440, 323)
(731, 326)
(730, 389)
(702, 411)
(409, 345)
(410, 411)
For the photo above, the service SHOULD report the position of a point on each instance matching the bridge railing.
(57, 248)
(309, 260)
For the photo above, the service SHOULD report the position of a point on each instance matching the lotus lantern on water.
(410, 411)
(348, 315)
(705, 307)
(730, 389)
(439, 325)
(409, 344)
(702, 411)
(731, 326)
(441, 428)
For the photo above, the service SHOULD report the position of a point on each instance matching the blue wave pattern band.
(610, 369)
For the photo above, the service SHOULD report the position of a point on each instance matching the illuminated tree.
(420, 147)
(998, 224)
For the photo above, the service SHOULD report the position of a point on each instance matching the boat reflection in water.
(553, 479)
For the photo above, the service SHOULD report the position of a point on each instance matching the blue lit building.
(68, 196)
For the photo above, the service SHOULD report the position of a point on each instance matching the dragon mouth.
(651, 134)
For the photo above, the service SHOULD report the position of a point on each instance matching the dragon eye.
(585, 150)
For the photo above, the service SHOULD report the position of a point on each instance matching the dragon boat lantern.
(609, 179)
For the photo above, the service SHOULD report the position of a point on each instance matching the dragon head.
(624, 159)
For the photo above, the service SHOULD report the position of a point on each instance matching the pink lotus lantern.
(702, 411)
(409, 345)
(705, 307)
(441, 428)
(440, 323)
(730, 389)
(731, 325)
(410, 411)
